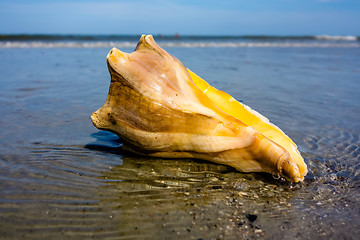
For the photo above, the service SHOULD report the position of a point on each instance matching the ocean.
(125, 41)
(60, 177)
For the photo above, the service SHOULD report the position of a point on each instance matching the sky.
(186, 17)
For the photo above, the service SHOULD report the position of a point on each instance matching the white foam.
(66, 44)
(342, 38)
(176, 44)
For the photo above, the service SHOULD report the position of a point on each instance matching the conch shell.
(160, 108)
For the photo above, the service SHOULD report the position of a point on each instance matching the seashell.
(160, 108)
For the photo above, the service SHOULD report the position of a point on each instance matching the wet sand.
(63, 178)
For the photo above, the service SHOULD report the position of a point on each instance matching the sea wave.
(122, 38)
(175, 44)
(336, 38)
(186, 41)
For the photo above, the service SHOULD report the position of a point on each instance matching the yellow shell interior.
(251, 118)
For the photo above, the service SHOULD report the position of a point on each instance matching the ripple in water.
(94, 192)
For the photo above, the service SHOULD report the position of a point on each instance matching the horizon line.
(174, 34)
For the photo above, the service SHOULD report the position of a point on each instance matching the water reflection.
(189, 198)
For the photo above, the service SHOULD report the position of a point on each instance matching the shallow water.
(60, 177)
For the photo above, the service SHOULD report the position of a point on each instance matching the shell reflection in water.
(188, 197)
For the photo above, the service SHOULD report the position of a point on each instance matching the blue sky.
(199, 17)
